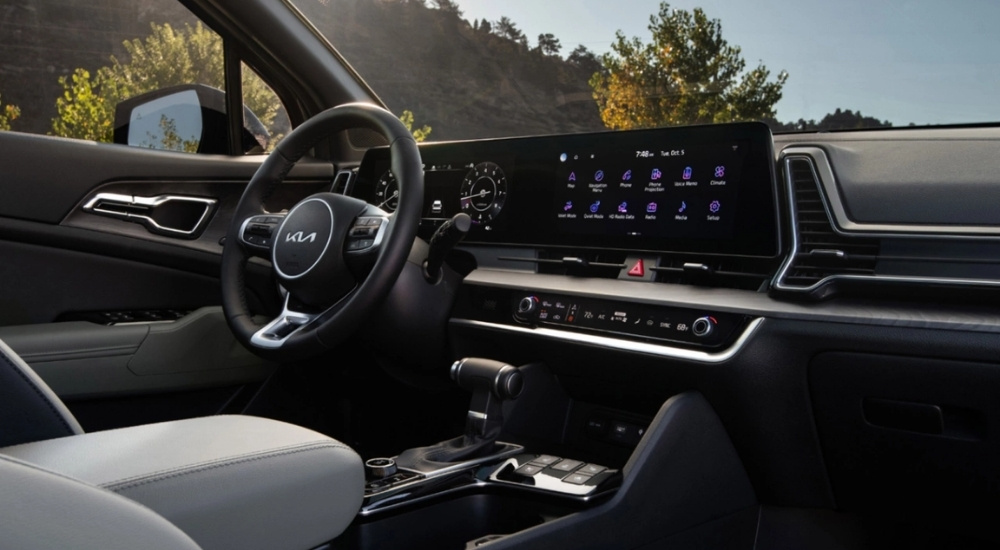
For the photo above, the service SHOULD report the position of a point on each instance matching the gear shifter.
(492, 383)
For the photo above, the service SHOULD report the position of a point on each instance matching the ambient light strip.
(625, 345)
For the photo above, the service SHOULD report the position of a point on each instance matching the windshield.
(460, 69)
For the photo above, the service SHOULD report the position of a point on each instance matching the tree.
(687, 74)
(505, 28)
(548, 44)
(841, 119)
(585, 59)
(448, 6)
(167, 57)
(7, 115)
(420, 134)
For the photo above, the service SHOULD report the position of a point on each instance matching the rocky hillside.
(461, 81)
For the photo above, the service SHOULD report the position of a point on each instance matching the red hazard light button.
(637, 270)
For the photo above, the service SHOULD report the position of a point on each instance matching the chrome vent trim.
(343, 182)
(819, 253)
(848, 243)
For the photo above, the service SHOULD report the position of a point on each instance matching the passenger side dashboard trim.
(843, 225)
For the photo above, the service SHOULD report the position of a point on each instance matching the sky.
(905, 61)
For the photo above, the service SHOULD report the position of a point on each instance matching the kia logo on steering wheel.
(298, 236)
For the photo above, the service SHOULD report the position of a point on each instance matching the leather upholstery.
(44, 510)
(29, 410)
(227, 481)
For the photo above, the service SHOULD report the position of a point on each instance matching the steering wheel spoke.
(257, 234)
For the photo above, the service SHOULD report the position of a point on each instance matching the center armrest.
(227, 481)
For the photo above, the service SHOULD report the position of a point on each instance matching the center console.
(518, 495)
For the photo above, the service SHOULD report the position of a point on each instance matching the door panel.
(61, 262)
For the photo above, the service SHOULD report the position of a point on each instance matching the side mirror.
(189, 118)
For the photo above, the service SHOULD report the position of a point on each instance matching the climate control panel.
(687, 327)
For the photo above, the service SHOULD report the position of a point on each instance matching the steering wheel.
(336, 256)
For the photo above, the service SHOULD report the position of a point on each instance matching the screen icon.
(687, 173)
(595, 206)
(599, 175)
(714, 206)
(651, 208)
(656, 174)
(720, 171)
(623, 207)
(627, 175)
(568, 206)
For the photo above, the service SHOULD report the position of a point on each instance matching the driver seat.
(222, 482)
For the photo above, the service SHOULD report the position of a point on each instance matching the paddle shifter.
(491, 383)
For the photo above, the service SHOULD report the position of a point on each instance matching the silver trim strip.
(151, 203)
(266, 338)
(627, 345)
(843, 225)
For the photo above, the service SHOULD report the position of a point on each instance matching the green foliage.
(841, 119)
(420, 134)
(548, 44)
(7, 115)
(687, 74)
(167, 57)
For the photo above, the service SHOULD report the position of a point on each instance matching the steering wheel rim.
(327, 324)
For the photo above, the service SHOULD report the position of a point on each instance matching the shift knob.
(500, 379)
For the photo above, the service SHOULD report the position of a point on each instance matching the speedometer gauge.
(483, 192)
(387, 192)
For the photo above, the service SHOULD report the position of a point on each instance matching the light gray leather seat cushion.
(227, 481)
(44, 510)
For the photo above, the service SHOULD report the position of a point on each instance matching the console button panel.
(683, 327)
(555, 474)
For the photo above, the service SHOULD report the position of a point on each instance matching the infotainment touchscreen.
(707, 189)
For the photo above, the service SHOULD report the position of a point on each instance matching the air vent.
(821, 254)
(343, 182)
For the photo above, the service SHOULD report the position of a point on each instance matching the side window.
(147, 74)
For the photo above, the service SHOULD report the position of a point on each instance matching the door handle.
(170, 215)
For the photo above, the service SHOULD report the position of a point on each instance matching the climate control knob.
(703, 326)
(526, 309)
